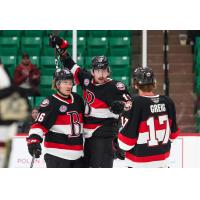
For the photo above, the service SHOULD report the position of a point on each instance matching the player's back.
(152, 123)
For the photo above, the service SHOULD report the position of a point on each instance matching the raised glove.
(34, 146)
(59, 43)
(117, 107)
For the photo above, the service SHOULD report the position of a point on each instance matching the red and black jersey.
(148, 129)
(60, 120)
(99, 120)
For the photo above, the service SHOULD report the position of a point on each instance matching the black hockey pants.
(56, 162)
(98, 152)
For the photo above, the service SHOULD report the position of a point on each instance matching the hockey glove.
(34, 147)
(117, 107)
(118, 153)
(59, 43)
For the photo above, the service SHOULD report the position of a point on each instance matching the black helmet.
(100, 62)
(144, 76)
(136, 71)
(63, 74)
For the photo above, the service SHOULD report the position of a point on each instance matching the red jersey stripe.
(37, 125)
(63, 146)
(126, 140)
(65, 119)
(147, 158)
(76, 76)
(145, 128)
(175, 134)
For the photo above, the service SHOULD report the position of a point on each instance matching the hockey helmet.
(100, 62)
(136, 71)
(144, 76)
(63, 74)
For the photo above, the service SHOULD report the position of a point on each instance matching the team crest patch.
(128, 105)
(45, 103)
(86, 82)
(155, 100)
(120, 86)
(63, 108)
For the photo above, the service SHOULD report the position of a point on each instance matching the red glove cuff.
(64, 44)
(32, 141)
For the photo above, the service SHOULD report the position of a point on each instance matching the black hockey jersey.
(148, 129)
(60, 120)
(99, 120)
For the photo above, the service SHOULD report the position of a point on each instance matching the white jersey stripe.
(144, 137)
(102, 113)
(65, 154)
(88, 132)
(153, 164)
(65, 129)
(36, 131)
(124, 146)
(74, 68)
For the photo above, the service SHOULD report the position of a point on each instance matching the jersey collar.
(68, 100)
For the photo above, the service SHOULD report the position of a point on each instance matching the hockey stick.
(56, 32)
(33, 160)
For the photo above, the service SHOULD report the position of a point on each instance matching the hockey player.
(60, 122)
(149, 126)
(104, 101)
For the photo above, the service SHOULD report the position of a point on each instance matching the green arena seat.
(98, 33)
(45, 42)
(46, 91)
(9, 60)
(31, 45)
(9, 42)
(8, 51)
(34, 33)
(46, 81)
(35, 51)
(197, 84)
(47, 71)
(68, 34)
(12, 33)
(120, 33)
(120, 46)
(81, 46)
(124, 79)
(81, 61)
(34, 60)
(48, 51)
(47, 62)
(45, 85)
(197, 45)
(119, 62)
(82, 33)
(97, 46)
(88, 61)
(121, 71)
(31, 42)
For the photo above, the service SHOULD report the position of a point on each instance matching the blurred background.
(173, 55)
